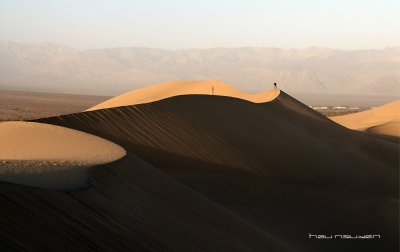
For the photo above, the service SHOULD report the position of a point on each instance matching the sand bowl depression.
(51, 157)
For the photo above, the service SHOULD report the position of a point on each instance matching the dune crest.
(168, 89)
(391, 129)
(272, 164)
(383, 120)
(51, 157)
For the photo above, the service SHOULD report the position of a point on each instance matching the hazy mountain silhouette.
(53, 67)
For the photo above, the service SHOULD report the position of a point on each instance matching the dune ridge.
(391, 129)
(274, 164)
(383, 120)
(169, 89)
(49, 156)
(130, 206)
(217, 173)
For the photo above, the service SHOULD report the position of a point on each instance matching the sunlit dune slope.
(52, 157)
(169, 89)
(278, 165)
(388, 114)
(391, 129)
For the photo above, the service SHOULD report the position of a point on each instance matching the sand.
(391, 129)
(280, 166)
(215, 173)
(130, 206)
(51, 157)
(170, 89)
(382, 120)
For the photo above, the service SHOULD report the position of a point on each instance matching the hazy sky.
(178, 24)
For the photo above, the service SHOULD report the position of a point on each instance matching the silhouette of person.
(275, 85)
(212, 90)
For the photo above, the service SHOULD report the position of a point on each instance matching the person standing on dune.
(275, 85)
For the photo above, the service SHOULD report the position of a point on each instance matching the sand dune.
(279, 166)
(51, 157)
(391, 129)
(383, 120)
(131, 206)
(209, 173)
(169, 89)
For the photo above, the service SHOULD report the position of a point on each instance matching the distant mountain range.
(50, 67)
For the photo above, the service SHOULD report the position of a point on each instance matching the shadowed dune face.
(168, 89)
(51, 157)
(131, 206)
(278, 165)
(239, 134)
(382, 120)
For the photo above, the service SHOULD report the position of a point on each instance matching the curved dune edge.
(367, 120)
(51, 157)
(168, 89)
(391, 129)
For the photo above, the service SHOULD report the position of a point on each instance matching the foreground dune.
(383, 120)
(216, 173)
(51, 157)
(169, 89)
(280, 166)
(130, 206)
